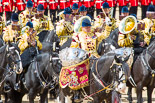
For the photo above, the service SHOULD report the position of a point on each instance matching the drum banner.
(75, 76)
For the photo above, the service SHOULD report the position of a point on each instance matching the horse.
(142, 73)
(10, 61)
(38, 79)
(109, 43)
(103, 76)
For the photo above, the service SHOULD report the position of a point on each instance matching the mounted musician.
(29, 46)
(27, 14)
(64, 28)
(100, 21)
(87, 40)
(150, 21)
(40, 21)
(129, 36)
(12, 31)
(29, 38)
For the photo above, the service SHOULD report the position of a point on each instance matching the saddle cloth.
(74, 72)
(75, 76)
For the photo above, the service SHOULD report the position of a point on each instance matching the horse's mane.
(49, 37)
(41, 57)
(106, 57)
(151, 46)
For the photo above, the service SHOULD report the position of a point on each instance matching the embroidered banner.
(75, 76)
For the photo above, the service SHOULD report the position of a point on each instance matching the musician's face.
(83, 13)
(15, 22)
(30, 8)
(41, 12)
(106, 10)
(75, 10)
(30, 30)
(125, 14)
(86, 29)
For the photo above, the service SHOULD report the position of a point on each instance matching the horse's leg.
(6, 98)
(43, 97)
(31, 95)
(149, 93)
(130, 94)
(61, 97)
(139, 93)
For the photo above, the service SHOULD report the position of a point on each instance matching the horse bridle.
(40, 75)
(13, 61)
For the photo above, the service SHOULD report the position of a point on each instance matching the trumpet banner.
(75, 76)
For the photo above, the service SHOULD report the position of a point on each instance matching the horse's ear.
(117, 58)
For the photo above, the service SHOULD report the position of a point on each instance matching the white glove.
(108, 21)
(6, 3)
(139, 4)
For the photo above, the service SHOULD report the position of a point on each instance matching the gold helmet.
(78, 23)
(127, 25)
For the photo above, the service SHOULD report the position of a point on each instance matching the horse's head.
(151, 47)
(121, 72)
(14, 60)
(56, 63)
(150, 54)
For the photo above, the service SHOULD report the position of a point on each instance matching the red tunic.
(8, 5)
(99, 3)
(20, 5)
(62, 3)
(122, 2)
(134, 2)
(1, 7)
(87, 3)
(53, 4)
(145, 2)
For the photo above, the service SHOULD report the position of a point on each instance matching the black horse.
(142, 73)
(10, 62)
(110, 43)
(38, 79)
(103, 77)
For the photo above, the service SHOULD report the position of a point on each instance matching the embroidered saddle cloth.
(75, 70)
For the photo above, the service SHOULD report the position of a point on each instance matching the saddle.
(27, 56)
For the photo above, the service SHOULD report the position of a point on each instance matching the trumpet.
(43, 22)
(68, 26)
